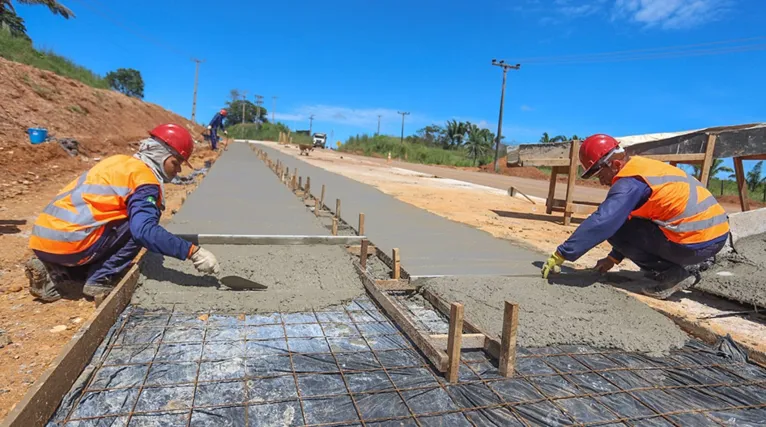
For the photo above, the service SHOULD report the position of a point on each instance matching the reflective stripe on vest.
(692, 207)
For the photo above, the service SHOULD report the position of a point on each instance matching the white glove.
(209, 128)
(205, 262)
(226, 133)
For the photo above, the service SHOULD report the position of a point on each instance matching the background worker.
(93, 229)
(655, 214)
(215, 124)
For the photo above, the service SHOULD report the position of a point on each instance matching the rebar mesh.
(351, 366)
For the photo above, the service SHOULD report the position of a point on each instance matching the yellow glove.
(553, 264)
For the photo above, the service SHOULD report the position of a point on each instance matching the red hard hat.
(593, 149)
(224, 112)
(176, 137)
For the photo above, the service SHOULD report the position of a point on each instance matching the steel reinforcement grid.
(350, 366)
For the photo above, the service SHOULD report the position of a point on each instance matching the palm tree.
(559, 138)
(479, 142)
(716, 168)
(455, 133)
(545, 138)
(11, 22)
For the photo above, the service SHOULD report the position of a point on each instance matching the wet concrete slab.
(240, 195)
(429, 244)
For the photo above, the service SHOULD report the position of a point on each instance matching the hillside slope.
(103, 122)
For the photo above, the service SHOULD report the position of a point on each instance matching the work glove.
(605, 264)
(209, 128)
(553, 264)
(205, 262)
(226, 133)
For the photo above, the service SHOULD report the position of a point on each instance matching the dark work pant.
(214, 138)
(108, 257)
(643, 242)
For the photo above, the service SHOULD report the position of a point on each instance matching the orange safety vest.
(683, 208)
(76, 217)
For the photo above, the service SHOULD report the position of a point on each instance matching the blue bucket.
(37, 135)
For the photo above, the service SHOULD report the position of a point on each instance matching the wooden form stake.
(454, 341)
(508, 339)
(335, 226)
(573, 163)
(363, 254)
(308, 186)
(337, 208)
(300, 183)
(294, 183)
(321, 196)
(316, 207)
(360, 229)
(739, 171)
(397, 264)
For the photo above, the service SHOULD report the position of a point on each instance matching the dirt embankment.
(103, 122)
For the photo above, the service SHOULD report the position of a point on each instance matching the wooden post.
(300, 183)
(454, 341)
(321, 197)
(707, 163)
(552, 189)
(335, 226)
(508, 339)
(363, 254)
(360, 229)
(316, 207)
(337, 208)
(293, 183)
(397, 264)
(739, 171)
(573, 162)
(308, 186)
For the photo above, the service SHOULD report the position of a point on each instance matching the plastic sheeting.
(348, 364)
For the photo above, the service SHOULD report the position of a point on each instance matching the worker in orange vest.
(94, 228)
(656, 215)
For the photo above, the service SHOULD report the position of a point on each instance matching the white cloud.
(671, 14)
(361, 117)
(526, 108)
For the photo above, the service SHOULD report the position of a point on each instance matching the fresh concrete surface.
(240, 195)
(596, 315)
(744, 224)
(740, 275)
(298, 278)
(429, 244)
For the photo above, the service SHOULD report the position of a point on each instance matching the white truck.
(320, 140)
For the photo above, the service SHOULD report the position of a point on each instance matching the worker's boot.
(94, 289)
(41, 285)
(671, 281)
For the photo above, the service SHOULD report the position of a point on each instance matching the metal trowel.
(237, 283)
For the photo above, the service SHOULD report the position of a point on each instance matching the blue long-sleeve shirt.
(217, 122)
(144, 218)
(625, 196)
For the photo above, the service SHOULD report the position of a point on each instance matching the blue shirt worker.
(656, 215)
(94, 228)
(215, 124)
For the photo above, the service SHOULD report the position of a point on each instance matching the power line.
(403, 113)
(196, 80)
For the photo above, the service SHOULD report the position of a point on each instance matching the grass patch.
(78, 109)
(20, 50)
(264, 132)
(381, 145)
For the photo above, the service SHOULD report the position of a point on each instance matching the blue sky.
(348, 61)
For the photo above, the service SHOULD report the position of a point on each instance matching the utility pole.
(505, 68)
(403, 113)
(244, 101)
(258, 102)
(378, 132)
(196, 81)
(311, 123)
(273, 108)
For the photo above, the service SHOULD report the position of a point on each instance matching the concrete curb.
(745, 224)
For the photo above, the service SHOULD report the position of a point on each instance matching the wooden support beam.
(508, 339)
(468, 342)
(337, 208)
(739, 171)
(363, 253)
(454, 341)
(571, 180)
(335, 226)
(437, 357)
(321, 197)
(360, 228)
(357, 249)
(707, 162)
(552, 189)
(678, 158)
(563, 162)
(397, 268)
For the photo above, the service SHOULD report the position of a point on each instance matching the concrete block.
(744, 224)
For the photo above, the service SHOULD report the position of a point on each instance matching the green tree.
(127, 81)
(454, 133)
(545, 138)
(234, 115)
(431, 135)
(716, 168)
(11, 22)
(479, 142)
(753, 178)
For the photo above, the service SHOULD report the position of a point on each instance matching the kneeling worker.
(93, 229)
(655, 214)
